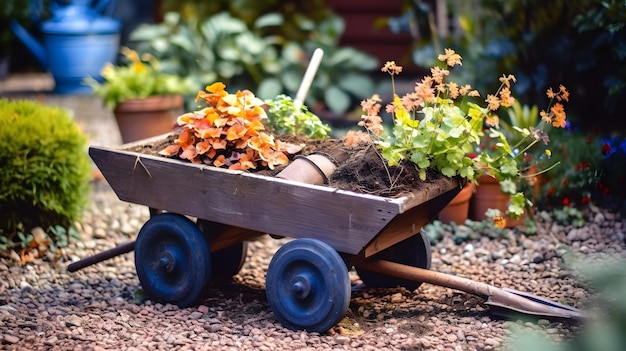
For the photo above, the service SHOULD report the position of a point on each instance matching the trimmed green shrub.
(44, 172)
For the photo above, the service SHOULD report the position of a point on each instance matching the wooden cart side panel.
(408, 223)
(440, 188)
(345, 221)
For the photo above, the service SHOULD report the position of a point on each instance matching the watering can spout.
(36, 48)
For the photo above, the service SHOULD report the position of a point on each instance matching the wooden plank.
(408, 223)
(232, 236)
(438, 194)
(344, 220)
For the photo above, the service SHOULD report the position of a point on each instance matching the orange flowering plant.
(440, 125)
(228, 132)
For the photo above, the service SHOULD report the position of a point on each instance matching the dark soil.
(361, 168)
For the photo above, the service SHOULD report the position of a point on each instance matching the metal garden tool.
(502, 301)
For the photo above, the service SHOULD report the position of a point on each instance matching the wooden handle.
(309, 74)
(503, 300)
(102, 256)
(417, 274)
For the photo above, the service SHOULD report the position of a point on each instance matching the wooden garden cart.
(202, 217)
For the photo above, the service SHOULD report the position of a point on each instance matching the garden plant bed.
(361, 168)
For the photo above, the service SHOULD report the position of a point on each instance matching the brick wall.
(366, 29)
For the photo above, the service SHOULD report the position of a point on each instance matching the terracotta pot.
(312, 169)
(489, 195)
(457, 210)
(143, 118)
(533, 180)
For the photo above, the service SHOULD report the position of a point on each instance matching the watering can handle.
(102, 5)
(35, 9)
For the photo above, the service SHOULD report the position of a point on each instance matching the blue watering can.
(77, 42)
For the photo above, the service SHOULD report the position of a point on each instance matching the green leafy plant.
(297, 18)
(577, 179)
(44, 178)
(257, 54)
(141, 78)
(440, 125)
(287, 117)
(345, 73)
(578, 43)
(520, 116)
(566, 215)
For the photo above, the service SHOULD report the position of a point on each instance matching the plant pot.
(489, 195)
(312, 169)
(533, 180)
(143, 118)
(457, 210)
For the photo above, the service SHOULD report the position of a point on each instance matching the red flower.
(588, 139)
(585, 200)
(606, 149)
(551, 191)
(582, 166)
(564, 181)
(565, 202)
(527, 158)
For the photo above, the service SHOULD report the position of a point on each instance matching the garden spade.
(502, 301)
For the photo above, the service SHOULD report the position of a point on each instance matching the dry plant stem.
(382, 159)
(391, 181)
(138, 161)
(540, 172)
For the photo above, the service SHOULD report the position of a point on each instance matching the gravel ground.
(43, 307)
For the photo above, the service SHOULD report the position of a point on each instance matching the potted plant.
(440, 126)
(145, 100)
(488, 194)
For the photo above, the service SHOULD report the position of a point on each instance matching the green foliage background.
(579, 43)
(261, 46)
(44, 167)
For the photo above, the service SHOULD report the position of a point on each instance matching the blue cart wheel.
(307, 286)
(228, 261)
(413, 251)
(172, 260)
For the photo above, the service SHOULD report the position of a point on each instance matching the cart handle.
(102, 256)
